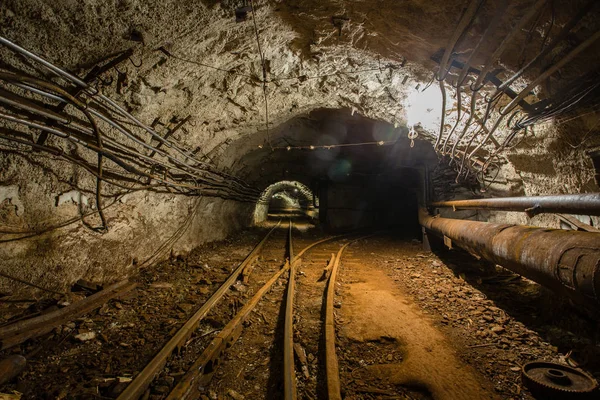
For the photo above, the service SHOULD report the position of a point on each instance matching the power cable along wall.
(111, 144)
(489, 120)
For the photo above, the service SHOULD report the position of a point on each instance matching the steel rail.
(205, 365)
(16, 333)
(565, 261)
(201, 371)
(582, 204)
(289, 373)
(332, 370)
(141, 382)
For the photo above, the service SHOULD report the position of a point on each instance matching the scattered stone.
(235, 395)
(203, 290)
(84, 337)
(161, 389)
(167, 381)
(239, 287)
(498, 329)
(161, 285)
(185, 307)
(10, 367)
(301, 354)
(118, 388)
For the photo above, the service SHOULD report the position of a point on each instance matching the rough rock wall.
(44, 240)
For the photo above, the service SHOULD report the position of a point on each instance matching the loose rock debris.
(494, 321)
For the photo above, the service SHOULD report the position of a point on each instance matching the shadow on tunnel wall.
(568, 326)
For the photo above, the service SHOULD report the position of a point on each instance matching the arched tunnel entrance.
(286, 199)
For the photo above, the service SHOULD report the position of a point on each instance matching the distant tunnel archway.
(286, 197)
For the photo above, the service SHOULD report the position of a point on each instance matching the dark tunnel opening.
(382, 202)
(363, 173)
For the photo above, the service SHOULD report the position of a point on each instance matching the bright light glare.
(424, 108)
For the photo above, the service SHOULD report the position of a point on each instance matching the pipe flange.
(546, 380)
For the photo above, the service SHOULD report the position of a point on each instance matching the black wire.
(264, 71)
(547, 35)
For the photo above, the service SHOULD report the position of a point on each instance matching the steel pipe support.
(581, 204)
(565, 261)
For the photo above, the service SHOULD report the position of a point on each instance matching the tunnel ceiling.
(194, 62)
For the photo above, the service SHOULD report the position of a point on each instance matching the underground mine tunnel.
(273, 199)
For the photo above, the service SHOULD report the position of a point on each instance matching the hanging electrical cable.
(91, 120)
(264, 74)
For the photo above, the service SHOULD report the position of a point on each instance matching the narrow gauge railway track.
(314, 321)
(143, 380)
(202, 370)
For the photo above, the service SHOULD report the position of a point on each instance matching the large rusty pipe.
(581, 204)
(565, 261)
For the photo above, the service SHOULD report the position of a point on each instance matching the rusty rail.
(289, 373)
(18, 332)
(332, 370)
(565, 261)
(139, 385)
(204, 367)
(582, 204)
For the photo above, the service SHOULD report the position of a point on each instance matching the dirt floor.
(410, 325)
